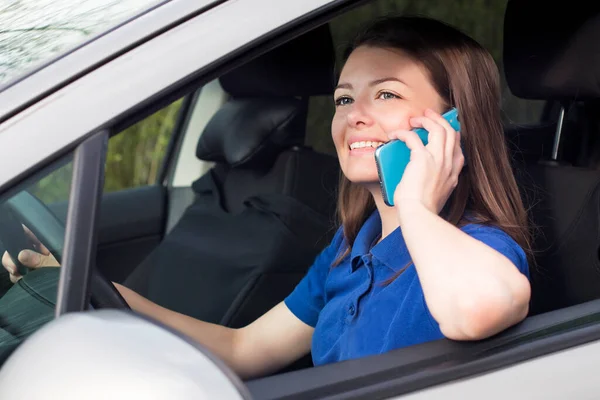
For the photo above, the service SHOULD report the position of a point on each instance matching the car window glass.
(135, 155)
(481, 20)
(34, 31)
(40, 203)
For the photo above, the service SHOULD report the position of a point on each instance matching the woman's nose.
(359, 116)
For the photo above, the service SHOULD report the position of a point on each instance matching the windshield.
(33, 31)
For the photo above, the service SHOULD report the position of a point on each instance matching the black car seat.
(265, 210)
(555, 57)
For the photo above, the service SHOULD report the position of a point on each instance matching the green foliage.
(135, 155)
(55, 186)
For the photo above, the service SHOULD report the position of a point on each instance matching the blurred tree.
(135, 155)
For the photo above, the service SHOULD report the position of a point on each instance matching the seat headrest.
(252, 132)
(551, 50)
(302, 67)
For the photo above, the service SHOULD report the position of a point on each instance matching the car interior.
(265, 209)
(259, 215)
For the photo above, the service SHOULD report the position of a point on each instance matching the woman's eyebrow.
(343, 86)
(388, 79)
(372, 83)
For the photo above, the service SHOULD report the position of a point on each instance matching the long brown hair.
(466, 77)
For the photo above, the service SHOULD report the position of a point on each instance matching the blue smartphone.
(392, 158)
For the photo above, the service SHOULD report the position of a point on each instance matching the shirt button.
(351, 310)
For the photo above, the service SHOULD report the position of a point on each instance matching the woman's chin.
(363, 179)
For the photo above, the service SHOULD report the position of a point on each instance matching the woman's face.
(378, 92)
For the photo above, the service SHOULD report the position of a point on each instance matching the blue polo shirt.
(354, 313)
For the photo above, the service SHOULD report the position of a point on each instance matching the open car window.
(28, 302)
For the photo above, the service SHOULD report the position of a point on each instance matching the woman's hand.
(433, 170)
(29, 258)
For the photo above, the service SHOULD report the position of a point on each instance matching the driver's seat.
(262, 214)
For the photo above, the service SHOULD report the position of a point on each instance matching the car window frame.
(87, 158)
(81, 230)
(382, 374)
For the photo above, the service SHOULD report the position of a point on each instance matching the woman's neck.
(389, 216)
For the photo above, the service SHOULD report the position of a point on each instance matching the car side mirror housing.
(114, 354)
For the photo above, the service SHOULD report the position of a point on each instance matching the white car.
(243, 198)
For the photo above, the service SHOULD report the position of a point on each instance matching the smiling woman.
(402, 73)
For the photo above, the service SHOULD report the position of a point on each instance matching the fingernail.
(28, 257)
(23, 256)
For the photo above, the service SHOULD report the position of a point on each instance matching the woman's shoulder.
(333, 249)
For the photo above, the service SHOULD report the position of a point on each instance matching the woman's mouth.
(364, 147)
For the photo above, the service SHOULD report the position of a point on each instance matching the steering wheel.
(24, 208)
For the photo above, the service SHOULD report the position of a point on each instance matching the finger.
(14, 278)
(39, 246)
(437, 136)
(32, 259)
(8, 263)
(437, 117)
(411, 139)
(458, 156)
(451, 140)
(457, 163)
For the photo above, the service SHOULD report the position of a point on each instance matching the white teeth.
(360, 145)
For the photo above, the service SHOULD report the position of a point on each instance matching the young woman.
(449, 259)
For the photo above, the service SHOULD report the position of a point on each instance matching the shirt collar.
(391, 251)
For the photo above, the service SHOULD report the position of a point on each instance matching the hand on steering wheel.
(29, 258)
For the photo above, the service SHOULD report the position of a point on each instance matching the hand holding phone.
(393, 157)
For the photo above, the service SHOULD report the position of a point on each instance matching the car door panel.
(131, 225)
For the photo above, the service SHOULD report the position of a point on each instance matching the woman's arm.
(471, 290)
(271, 342)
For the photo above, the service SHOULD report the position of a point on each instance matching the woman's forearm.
(218, 339)
(471, 290)
(271, 342)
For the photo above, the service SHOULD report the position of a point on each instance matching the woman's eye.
(387, 96)
(343, 101)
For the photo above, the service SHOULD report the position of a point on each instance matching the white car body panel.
(110, 354)
(568, 374)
